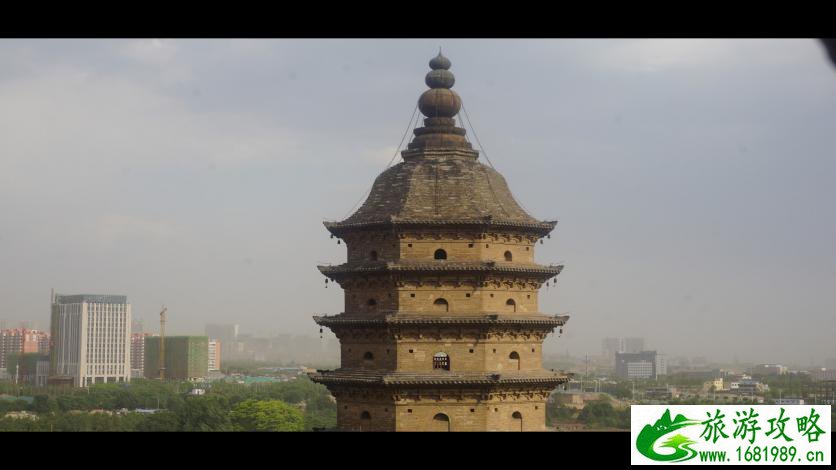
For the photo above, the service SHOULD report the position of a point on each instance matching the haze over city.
(692, 179)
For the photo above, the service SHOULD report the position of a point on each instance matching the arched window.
(509, 256)
(441, 361)
(440, 254)
(371, 302)
(368, 356)
(511, 305)
(515, 360)
(373, 255)
(441, 305)
(367, 415)
(441, 422)
(517, 416)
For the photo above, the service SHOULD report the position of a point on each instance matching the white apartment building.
(214, 354)
(91, 338)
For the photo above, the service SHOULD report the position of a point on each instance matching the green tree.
(204, 414)
(44, 404)
(266, 415)
(602, 414)
(161, 421)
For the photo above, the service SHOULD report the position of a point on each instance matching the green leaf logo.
(679, 443)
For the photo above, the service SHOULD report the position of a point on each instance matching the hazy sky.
(693, 179)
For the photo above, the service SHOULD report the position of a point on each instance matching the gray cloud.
(692, 178)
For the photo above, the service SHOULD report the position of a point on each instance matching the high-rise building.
(227, 334)
(640, 365)
(633, 345)
(441, 329)
(610, 346)
(138, 354)
(91, 339)
(21, 341)
(186, 357)
(661, 364)
(214, 354)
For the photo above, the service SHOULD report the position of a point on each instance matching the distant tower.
(441, 329)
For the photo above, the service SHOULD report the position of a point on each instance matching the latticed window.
(441, 361)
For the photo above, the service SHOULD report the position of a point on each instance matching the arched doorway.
(440, 254)
(365, 421)
(514, 358)
(368, 359)
(441, 423)
(441, 305)
(518, 421)
(510, 305)
(509, 256)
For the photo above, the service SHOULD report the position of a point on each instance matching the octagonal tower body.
(441, 328)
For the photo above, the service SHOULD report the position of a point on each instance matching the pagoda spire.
(439, 105)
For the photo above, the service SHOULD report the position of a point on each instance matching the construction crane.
(162, 342)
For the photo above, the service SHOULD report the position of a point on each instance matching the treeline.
(295, 405)
(595, 414)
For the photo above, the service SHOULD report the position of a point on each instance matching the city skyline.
(690, 178)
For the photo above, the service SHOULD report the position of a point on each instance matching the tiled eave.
(534, 270)
(342, 320)
(538, 228)
(371, 378)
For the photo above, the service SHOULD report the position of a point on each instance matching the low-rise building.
(748, 386)
(823, 374)
(661, 393)
(714, 385)
(29, 368)
(789, 401)
(769, 369)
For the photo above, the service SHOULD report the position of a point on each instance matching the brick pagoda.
(441, 329)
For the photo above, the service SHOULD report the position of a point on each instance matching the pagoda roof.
(437, 378)
(374, 267)
(440, 178)
(402, 318)
(441, 187)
